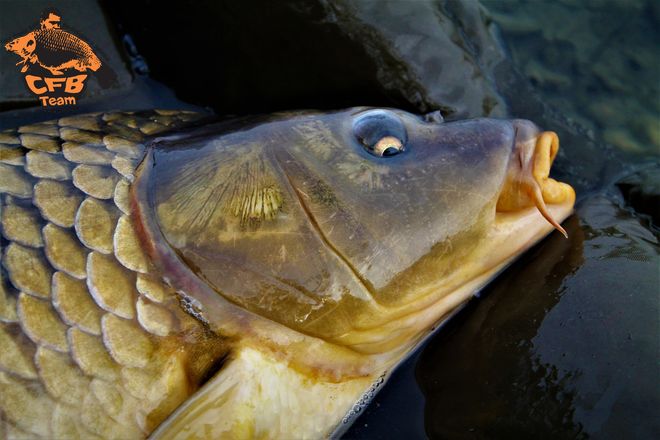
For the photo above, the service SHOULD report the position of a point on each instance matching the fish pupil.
(390, 151)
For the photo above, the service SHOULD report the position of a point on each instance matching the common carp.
(172, 275)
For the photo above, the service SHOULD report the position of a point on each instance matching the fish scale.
(95, 345)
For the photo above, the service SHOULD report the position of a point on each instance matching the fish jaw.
(233, 403)
(529, 206)
(511, 235)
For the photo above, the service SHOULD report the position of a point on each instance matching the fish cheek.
(276, 266)
(433, 211)
(435, 270)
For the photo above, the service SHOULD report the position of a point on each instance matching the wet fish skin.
(320, 261)
(328, 260)
(94, 345)
(356, 241)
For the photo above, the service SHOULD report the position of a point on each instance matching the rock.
(623, 139)
(608, 51)
(318, 54)
(642, 192)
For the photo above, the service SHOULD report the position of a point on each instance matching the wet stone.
(39, 142)
(28, 270)
(91, 355)
(15, 181)
(74, 303)
(113, 116)
(167, 121)
(64, 251)
(95, 224)
(111, 285)
(95, 180)
(128, 344)
(87, 154)
(166, 112)
(22, 224)
(41, 323)
(47, 165)
(642, 192)
(130, 122)
(57, 201)
(187, 116)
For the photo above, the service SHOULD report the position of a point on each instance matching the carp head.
(23, 46)
(337, 240)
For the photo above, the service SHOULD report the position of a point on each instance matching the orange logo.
(56, 51)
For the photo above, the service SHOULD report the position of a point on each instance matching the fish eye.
(380, 132)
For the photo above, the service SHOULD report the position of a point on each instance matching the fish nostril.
(434, 117)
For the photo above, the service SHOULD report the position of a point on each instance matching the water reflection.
(564, 345)
(497, 383)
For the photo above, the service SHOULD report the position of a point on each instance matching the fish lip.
(509, 237)
(527, 181)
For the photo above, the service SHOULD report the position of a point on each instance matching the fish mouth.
(528, 182)
(529, 206)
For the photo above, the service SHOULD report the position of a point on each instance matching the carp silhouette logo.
(56, 51)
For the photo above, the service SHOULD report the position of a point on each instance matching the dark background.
(565, 343)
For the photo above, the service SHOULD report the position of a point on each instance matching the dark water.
(566, 342)
(595, 60)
